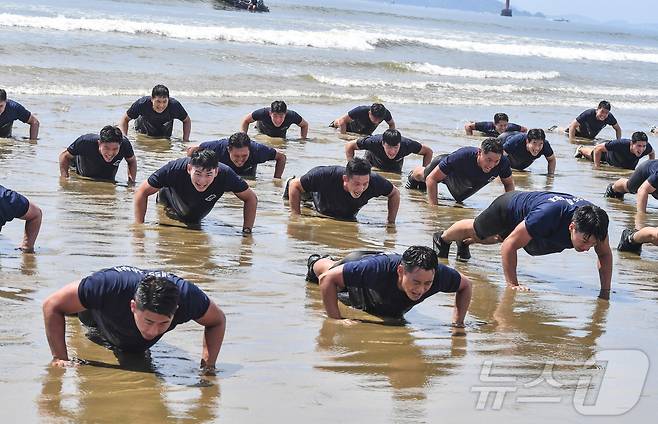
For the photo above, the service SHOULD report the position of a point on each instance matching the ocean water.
(78, 65)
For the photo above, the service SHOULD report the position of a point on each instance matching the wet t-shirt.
(590, 127)
(375, 154)
(258, 153)
(518, 154)
(489, 128)
(361, 122)
(175, 176)
(465, 177)
(325, 183)
(107, 295)
(12, 205)
(267, 127)
(619, 153)
(90, 163)
(13, 111)
(547, 217)
(144, 107)
(372, 284)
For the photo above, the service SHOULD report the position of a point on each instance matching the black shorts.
(145, 127)
(429, 168)
(177, 209)
(495, 219)
(638, 177)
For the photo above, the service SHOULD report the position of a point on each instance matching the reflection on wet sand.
(342, 235)
(140, 386)
(535, 327)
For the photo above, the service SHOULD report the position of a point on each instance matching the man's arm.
(572, 130)
(617, 130)
(643, 196)
(214, 322)
(331, 282)
(32, 220)
(280, 159)
(190, 150)
(432, 182)
(64, 301)
(249, 210)
(393, 205)
(391, 124)
(604, 265)
(187, 129)
(123, 123)
(508, 183)
(33, 122)
(350, 148)
(132, 169)
(303, 128)
(65, 159)
(469, 127)
(523, 129)
(244, 126)
(342, 122)
(552, 161)
(427, 154)
(462, 301)
(141, 200)
(597, 153)
(295, 191)
(652, 155)
(517, 239)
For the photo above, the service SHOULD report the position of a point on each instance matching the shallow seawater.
(282, 359)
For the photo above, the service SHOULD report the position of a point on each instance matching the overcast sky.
(601, 10)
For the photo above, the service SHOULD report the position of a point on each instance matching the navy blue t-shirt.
(267, 127)
(258, 153)
(489, 128)
(372, 284)
(107, 295)
(590, 127)
(619, 153)
(174, 175)
(13, 111)
(518, 154)
(547, 217)
(12, 205)
(144, 107)
(89, 161)
(361, 122)
(330, 198)
(375, 154)
(465, 177)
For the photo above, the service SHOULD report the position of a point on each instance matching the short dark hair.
(160, 91)
(279, 106)
(357, 166)
(591, 221)
(157, 294)
(639, 136)
(3, 95)
(500, 117)
(204, 159)
(604, 104)
(392, 137)
(111, 134)
(419, 257)
(536, 134)
(239, 140)
(491, 145)
(378, 110)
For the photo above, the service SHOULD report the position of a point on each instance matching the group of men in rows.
(146, 304)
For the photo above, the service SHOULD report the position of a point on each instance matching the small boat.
(254, 6)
